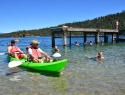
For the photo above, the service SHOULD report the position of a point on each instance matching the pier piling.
(85, 37)
(53, 40)
(70, 38)
(97, 37)
(64, 39)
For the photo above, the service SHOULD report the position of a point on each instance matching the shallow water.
(81, 76)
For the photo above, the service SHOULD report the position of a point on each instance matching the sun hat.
(34, 42)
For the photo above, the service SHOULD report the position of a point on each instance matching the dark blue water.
(81, 76)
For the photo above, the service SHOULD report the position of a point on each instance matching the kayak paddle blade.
(57, 55)
(14, 64)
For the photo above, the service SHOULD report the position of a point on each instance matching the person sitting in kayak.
(14, 51)
(36, 53)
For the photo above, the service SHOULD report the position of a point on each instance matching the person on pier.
(65, 27)
(117, 23)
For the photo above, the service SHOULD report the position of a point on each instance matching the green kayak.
(49, 66)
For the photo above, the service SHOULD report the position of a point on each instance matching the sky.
(35, 14)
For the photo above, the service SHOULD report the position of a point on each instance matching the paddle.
(14, 64)
(2, 53)
(56, 55)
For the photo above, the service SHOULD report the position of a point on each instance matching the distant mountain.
(103, 22)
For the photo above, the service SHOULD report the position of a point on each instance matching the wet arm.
(97, 58)
(8, 49)
(45, 54)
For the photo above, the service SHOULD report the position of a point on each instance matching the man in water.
(101, 42)
(85, 43)
(90, 43)
(76, 43)
(14, 51)
(99, 58)
(36, 53)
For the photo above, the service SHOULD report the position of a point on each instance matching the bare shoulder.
(9, 47)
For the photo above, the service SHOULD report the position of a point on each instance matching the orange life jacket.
(28, 47)
(36, 53)
(14, 49)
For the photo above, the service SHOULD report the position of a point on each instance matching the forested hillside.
(103, 22)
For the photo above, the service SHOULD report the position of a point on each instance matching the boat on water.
(16, 40)
(56, 66)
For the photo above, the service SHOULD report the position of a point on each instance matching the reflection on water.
(81, 76)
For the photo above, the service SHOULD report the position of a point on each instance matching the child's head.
(56, 47)
(100, 53)
(91, 41)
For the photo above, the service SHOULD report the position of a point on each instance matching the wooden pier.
(65, 30)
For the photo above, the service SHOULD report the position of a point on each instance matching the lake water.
(81, 76)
